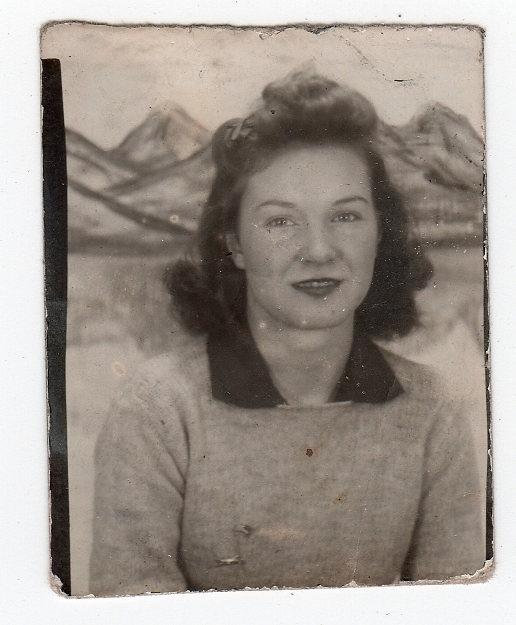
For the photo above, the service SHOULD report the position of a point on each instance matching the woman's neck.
(305, 364)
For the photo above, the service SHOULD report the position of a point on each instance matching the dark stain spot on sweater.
(309, 452)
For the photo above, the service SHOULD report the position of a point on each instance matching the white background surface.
(25, 593)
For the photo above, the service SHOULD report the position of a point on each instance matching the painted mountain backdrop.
(149, 190)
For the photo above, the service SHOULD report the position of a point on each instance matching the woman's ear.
(233, 247)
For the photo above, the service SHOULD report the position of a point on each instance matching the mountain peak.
(436, 117)
(168, 132)
(442, 145)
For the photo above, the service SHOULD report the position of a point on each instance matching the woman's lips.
(317, 287)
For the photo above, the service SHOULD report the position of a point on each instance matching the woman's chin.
(302, 312)
(315, 322)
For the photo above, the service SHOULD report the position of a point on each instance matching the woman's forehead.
(298, 171)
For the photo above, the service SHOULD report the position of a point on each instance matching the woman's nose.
(318, 246)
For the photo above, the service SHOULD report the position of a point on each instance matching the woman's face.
(307, 237)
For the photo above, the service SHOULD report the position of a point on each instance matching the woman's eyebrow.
(348, 199)
(274, 202)
(286, 204)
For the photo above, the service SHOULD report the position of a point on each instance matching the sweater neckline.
(240, 376)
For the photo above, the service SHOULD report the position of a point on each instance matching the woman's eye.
(278, 222)
(346, 217)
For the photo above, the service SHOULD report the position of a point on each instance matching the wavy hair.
(302, 108)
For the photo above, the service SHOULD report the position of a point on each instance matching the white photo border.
(27, 596)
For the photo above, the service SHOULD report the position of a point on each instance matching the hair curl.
(306, 108)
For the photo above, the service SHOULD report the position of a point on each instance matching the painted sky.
(114, 76)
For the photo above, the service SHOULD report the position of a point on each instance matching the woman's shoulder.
(157, 406)
(417, 380)
(421, 404)
(184, 358)
(169, 382)
(427, 405)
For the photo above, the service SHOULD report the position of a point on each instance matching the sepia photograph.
(267, 347)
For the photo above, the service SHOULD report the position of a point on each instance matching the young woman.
(283, 447)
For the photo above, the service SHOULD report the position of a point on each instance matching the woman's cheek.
(268, 254)
(366, 243)
(360, 255)
(367, 263)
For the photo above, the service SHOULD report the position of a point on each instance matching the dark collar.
(240, 376)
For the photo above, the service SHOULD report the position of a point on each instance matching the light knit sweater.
(195, 493)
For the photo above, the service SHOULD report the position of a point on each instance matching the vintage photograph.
(274, 330)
